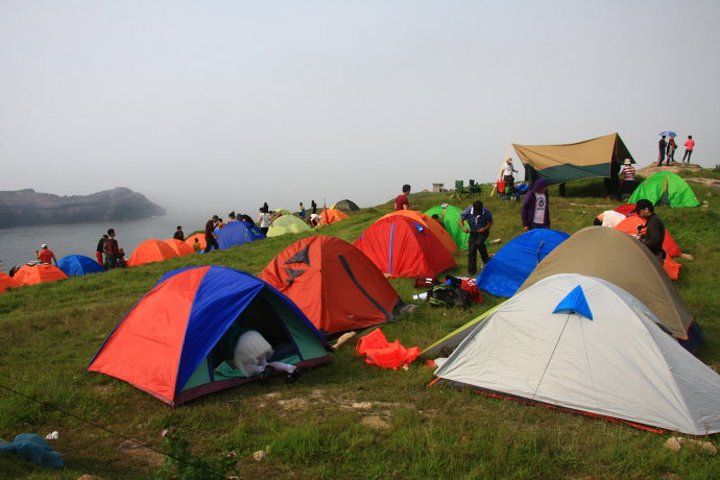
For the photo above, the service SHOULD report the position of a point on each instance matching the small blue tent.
(509, 268)
(238, 233)
(78, 265)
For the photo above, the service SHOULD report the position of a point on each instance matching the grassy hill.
(345, 420)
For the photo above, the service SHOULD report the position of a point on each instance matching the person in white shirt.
(264, 220)
(506, 174)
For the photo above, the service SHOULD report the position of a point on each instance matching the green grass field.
(344, 420)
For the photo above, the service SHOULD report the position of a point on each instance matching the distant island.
(28, 207)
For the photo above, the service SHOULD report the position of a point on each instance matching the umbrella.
(668, 133)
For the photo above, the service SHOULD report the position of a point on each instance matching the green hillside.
(344, 420)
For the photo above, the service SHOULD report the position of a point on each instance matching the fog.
(211, 106)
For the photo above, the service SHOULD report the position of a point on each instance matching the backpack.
(448, 296)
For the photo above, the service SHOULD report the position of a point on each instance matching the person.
(506, 175)
(401, 201)
(313, 207)
(45, 255)
(264, 220)
(120, 259)
(535, 209)
(671, 147)
(627, 178)
(210, 240)
(111, 250)
(476, 220)
(196, 245)
(232, 217)
(652, 234)
(689, 147)
(314, 220)
(99, 250)
(179, 234)
(303, 212)
(662, 148)
(266, 207)
(219, 224)
(246, 218)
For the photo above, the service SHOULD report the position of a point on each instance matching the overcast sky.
(225, 104)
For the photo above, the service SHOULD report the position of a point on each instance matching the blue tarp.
(33, 448)
(511, 266)
(575, 302)
(238, 233)
(78, 265)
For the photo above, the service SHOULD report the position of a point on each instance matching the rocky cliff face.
(28, 207)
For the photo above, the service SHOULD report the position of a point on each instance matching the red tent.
(402, 247)
(6, 281)
(330, 215)
(434, 226)
(41, 273)
(149, 251)
(672, 249)
(181, 248)
(333, 283)
(201, 240)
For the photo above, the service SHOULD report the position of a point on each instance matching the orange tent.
(432, 224)
(672, 249)
(335, 285)
(149, 251)
(6, 281)
(40, 273)
(330, 215)
(181, 248)
(201, 240)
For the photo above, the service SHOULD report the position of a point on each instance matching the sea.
(18, 245)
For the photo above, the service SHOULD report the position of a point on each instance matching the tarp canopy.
(616, 257)
(597, 157)
(333, 283)
(665, 186)
(287, 224)
(166, 345)
(617, 364)
(78, 265)
(449, 218)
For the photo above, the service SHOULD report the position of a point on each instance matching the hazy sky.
(223, 104)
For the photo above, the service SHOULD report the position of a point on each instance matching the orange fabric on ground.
(6, 281)
(330, 215)
(42, 273)
(149, 251)
(179, 247)
(378, 351)
(432, 224)
(630, 226)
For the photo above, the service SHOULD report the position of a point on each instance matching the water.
(18, 245)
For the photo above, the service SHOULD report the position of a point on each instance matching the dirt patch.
(138, 452)
(710, 182)
(297, 403)
(375, 421)
(677, 168)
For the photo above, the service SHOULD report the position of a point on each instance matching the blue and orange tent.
(238, 233)
(168, 345)
(513, 263)
(78, 265)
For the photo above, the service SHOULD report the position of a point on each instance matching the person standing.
(264, 220)
(111, 250)
(476, 220)
(210, 240)
(45, 255)
(671, 147)
(99, 250)
(535, 209)
(627, 178)
(662, 149)
(303, 212)
(506, 175)
(689, 147)
(179, 234)
(313, 207)
(401, 201)
(652, 235)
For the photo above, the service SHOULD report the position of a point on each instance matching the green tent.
(287, 224)
(668, 187)
(450, 218)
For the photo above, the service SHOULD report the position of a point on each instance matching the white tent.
(602, 352)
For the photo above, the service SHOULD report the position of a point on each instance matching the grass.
(314, 429)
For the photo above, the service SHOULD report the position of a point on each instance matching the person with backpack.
(476, 220)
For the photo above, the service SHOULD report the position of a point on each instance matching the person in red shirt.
(45, 255)
(689, 147)
(401, 201)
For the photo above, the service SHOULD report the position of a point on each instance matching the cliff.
(28, 207)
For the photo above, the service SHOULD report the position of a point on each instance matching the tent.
(511, 266)
(238, 233)
(78, 265)
(666, 187)
(446, 345)
(6, 281)
(402, 247)
(346, 206)
(287, 224)
(618, 258)
(150, 251)
(597, 157)
(330, 216)
(179, 247)
(449, 218)
(168, 344)
(431, 224)
(39, 273)
(201, 240)
(586, 345)
(630, 226)
(333, 283)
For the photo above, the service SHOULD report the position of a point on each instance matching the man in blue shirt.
(476, 220)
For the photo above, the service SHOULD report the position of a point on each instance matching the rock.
(260, 455)
(677, 443)
(375, 421)
(687, 256)
(28, 207)
(673, 443)
(361, 405)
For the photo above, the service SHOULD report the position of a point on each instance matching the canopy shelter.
(597, 157)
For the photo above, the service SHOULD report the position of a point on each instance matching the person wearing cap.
(535, 209)
(45, 255)
(652, 234)
(627, 178)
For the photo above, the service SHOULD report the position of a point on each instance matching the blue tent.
(78, 265)
(238, 233)
(509, 268)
